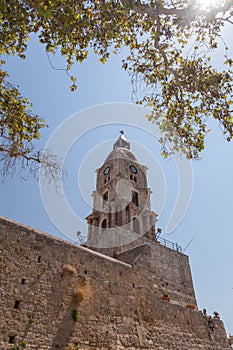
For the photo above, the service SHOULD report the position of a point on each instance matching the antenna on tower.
(188, 245)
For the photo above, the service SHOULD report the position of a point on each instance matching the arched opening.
(105, 198)
(96, 222)
(117, 216)
(136, 226)
(104, 224)
(135, 198)
(127, 214)
(110, 217)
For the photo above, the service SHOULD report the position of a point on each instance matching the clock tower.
(121, 215)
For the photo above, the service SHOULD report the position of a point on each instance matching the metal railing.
(169, 244)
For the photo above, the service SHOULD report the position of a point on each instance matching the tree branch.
(173, 11)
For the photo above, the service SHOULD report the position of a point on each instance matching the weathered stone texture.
(118, 305)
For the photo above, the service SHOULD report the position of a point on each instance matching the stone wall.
(56, 295)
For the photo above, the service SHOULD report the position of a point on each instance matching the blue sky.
(105, 91)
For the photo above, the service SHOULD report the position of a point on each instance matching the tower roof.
(121, 149)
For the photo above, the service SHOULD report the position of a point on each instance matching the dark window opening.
(135, 179)
(135, 198)
(131, 177)
(104, 224)
(135, 225)
(118, 216)
(23, 281)
(11, 339)
(133, 285)
(39, 259)
(187, 322)
(16, 305)
(127, 214)
(105, 198)
(85, 272)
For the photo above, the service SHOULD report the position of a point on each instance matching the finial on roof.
(121, 142)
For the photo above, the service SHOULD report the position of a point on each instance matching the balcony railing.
(169, 244)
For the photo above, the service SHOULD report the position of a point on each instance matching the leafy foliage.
(168, 56)
(21, 345)
(75, 315)
(18, 126)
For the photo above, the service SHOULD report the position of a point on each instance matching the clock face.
(133, 169)
(106, 170)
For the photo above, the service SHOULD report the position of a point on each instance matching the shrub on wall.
(69, 268)
(75, 315)
(77, 297)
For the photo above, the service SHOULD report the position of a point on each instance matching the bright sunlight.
(208, 4)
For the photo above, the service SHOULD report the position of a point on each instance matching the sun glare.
(208, 4)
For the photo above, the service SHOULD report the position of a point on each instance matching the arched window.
(116, 218)
(127, 214)
(118, 215)
(136, 226)
(105, 198)
(104, 224)
(135, 198)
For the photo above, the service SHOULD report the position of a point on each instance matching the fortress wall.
(164, 269)
(43, 279)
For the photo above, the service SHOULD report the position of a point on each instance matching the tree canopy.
(168, 46)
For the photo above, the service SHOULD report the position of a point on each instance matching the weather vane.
(122, 132)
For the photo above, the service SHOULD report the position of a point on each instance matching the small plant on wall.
(191, 306)
(165, 296)
(216, 314)
(20, 346)
(70, 269)
(82, 280)
(75, 315)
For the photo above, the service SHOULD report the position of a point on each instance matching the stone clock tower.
(121, 213)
